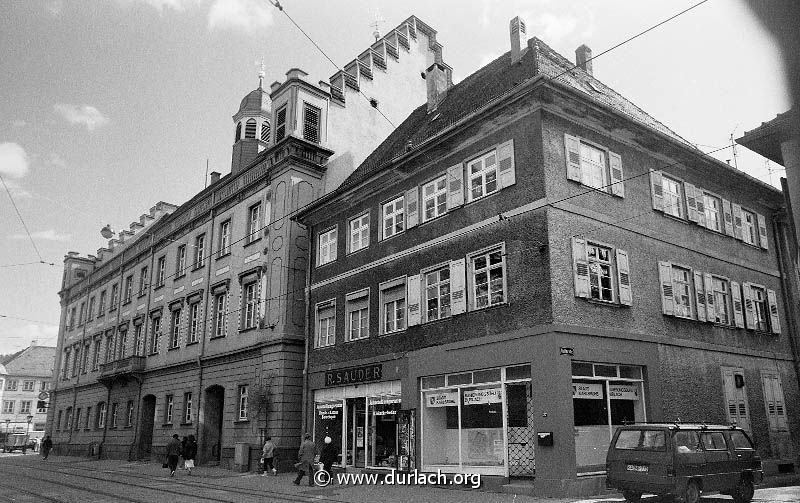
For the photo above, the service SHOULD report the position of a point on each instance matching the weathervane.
(376, 24)
(261, 72)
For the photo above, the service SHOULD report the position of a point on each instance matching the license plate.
(637, 468)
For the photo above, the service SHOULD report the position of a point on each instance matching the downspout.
(787, 283)
(308, 330)
(203, 332)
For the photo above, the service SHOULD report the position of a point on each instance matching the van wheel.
(632, 496)
(692, 494)
(744, 491)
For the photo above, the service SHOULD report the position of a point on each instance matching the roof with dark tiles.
(34, 361)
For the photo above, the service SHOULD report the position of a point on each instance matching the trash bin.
(241, 457)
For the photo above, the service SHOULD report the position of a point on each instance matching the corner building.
(192, 321)
(530, 260)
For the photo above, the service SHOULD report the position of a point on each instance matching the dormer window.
(311, 119)
(280, 124)
(265, 131)
(238, 132)
(250, 129)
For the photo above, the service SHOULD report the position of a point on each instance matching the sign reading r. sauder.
(354, 375)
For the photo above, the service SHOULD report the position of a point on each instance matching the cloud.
(161, 5)
(246, 15)
(48, 235)
(55, 161)
(86, 115)
(13, 160)
(17, 192)
(18, 123)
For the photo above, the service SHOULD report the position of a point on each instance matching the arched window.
(265, 131)
(250, 129)
(238, 132)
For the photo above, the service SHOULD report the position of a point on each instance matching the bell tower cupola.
(252, 124)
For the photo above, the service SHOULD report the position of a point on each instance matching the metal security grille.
(521, 461)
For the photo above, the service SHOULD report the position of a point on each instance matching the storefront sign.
(384, 406)
(442, 399)
(623, 392)
(590, 391)
(480, 396)
(354, 375)
(329, 411)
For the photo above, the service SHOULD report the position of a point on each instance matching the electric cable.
(14, 204)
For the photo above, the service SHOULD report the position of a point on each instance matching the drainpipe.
(787, 283)
(307, 332)
(200, 403)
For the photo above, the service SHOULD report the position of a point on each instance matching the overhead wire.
(22, 220)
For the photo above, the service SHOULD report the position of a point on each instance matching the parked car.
(683, 460)
(19, 443)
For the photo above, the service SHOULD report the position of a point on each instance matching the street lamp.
(27, 434)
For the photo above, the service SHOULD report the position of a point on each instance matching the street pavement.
(71, 479)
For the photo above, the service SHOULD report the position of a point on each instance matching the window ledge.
(326, 263)
(158, 287)
(605, 302)
(153, 354)
(350, 341)
(167, 425)
(227, 254)
(241, 421)
(327, 347)
(216, 337)
(186, 424)
(256, 240)
(248, 329)
(192, 343)
(112, 309)
(197, 268)
(179, 276)
(394, 332)
(127, 302)
(173, 348)
(353, 252)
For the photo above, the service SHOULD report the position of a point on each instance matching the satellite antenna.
(376, 24)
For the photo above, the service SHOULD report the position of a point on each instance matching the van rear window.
(641, 440)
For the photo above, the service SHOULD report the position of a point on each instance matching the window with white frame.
(482, 175)
(96, 354)
(41, 407)
(138, 339)
(200, 251)
(169, 407)
(393, 217)
(161, 270)
(101, 415)
(122, 343)
(600, 278)
(109, 346)
(488, 278)
(28, 385)
(326, 323)
(25, 407)
(721, 296)
(128, 289)
(187, 407)
(673, 198)
(774, 401)
(220, 314)
(155, 335)
(713, 212)
(393, 306)
(175, 328)
(357, 308)
(180, 261)
(593, 167)
(760, 309)
(437, 293)
(359, 233)
(243, 399)
(327, 247)
(434, 198)
(749, 228)
(682, 291)
(253, 222)
(194, 322)
(8, 406)
(101, 303)
(311, 123)
(129, 415)
(225, 238)
(114, 414)
(249, 305)
(143, 281)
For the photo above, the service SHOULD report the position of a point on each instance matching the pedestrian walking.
(268, 457)
(189, 453)
(305, 458)
(173, 454)
(182, 465)
(47, 445)
(328, 456)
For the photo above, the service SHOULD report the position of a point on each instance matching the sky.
(107, 107)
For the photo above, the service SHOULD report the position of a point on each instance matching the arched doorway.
(146, 423)
(211, 445)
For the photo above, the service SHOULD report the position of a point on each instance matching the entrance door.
(520, 430)
(382, 436)
(211, 424)
(356, 432)
(148, 417)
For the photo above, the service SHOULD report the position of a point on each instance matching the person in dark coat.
(183, 448)
(189, 453)
(328, 456)
(305, 457)
(173, 454)
(47, 445)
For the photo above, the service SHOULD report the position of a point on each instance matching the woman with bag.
(268, 457)
(306, 463)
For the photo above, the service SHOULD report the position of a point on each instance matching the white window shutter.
(735, 399)
(657, 189)
(738, 312)
(700, 295)
(775, 321)
(335, 248)
(412, 207)
(691, 201)
(624, 278)
(701, 206)
(413, 300)
(709, 284)
(775, 396)
(580, 267)
(615, 165)
(768, 381)
(573, 156)
(737, 221)
(762, 231)
(667, 295)
(505, 162)
(726, 210)
(455, 186)
(749, 307)
(458, 289)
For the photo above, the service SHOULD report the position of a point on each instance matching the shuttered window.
(673, 197)
(601, 272)
(437, 293)
(594, 166)
(393, 217)
(250, 129)
(735, 390)
(434, 198)
(488, 278)
(280, 123)
(265, 131)
(774, 401)
(311, 121)
(749, 228)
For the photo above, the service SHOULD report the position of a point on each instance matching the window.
(736, 408)
(225, 238)
(740, 441)
(253, 222)
(357, 308)
(68, 423)
(393, 217)
(265, 131)
(96, 355)
(200, 251)
(8, 406)
(359, 232)
(90, 315)
(682, 291)
(109, 348)
(101, 304)
(187, 407)
(713, 441)
(114, 297)
(194, 322)
(129, 415)
(749, 228)
(434, 198)
(482, 173)
(393, 306)
(41, 407)
(175, 328)
(25, 407)
(720, 294)
(250, 305)
(243, 392)
(250, 128)
(155, 335)
(326, 323)
(72, 318)
(84, 363)
(180, 261)
(280, 123)
(311, 120)
(713, 212)
(161, 269)
(28, 385)
(774, 401)
(138, 339)
(220, 314)
(12, 384)
(64, 367)
(437, 293)
(58, 423)
(143, 281)
(77, 419)
(488, 278)
(101, 415)
(128, 289)
(238, 132)
(760, 311)
(114, 414)
(168, 408)
(43, 386)
(76, 361)
(600, 283)
(673, 200)
(327, 247)
(82, 316)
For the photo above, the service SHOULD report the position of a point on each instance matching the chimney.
(214, 177)
(583, 56)
(436, 78)
(519, 38)
(33, 343)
